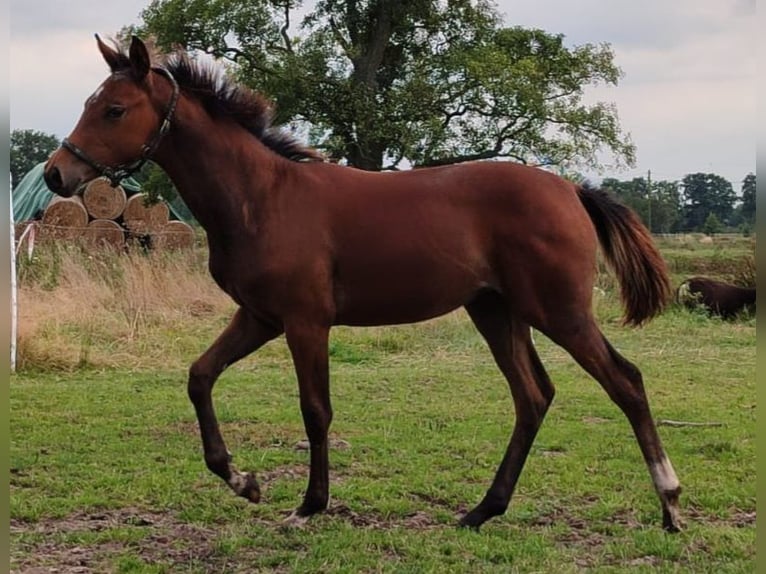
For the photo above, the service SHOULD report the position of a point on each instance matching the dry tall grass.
(145, 311)
(745, 276)
(160, 310)
(107, 309)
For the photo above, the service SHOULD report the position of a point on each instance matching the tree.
(28, 148)
(703, 194)
(633, 193)
(381, 83)
(665, 206)
(747, 209)
(155, 184)
(712, 225)
(657, 204)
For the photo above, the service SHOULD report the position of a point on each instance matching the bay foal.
(302, 245)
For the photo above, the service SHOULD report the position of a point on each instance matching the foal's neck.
(224, 174)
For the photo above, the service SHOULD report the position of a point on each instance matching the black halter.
(120, 172)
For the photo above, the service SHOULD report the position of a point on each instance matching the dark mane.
(221, 96)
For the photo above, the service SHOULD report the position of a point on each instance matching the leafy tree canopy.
(712, 225)
(706, 193)
(28, 148)
(657, 203)
(382, 82)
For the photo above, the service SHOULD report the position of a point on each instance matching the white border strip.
(14, 300)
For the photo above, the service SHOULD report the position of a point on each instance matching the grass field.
(107, 473)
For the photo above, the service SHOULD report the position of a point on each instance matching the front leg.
(242, 336)
(308, 346)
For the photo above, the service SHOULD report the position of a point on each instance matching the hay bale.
(64, 218)
(102, 200)
(104, 233)
(174, 235)
(144, 219)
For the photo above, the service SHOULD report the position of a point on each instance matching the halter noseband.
(116, 174)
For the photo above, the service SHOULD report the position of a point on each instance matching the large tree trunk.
(370, 43)
(365, 154)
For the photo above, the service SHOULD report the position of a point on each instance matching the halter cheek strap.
(116, 174)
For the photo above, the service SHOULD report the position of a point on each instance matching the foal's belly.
(408, 277)
(394, 297)
(396, 310)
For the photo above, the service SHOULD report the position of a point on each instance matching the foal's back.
(408, 246)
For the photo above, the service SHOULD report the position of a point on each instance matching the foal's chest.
(250, 277)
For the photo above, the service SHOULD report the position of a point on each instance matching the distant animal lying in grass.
(717, 297)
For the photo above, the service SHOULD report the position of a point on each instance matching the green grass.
(107, 471)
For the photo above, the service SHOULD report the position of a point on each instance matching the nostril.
(53, 179)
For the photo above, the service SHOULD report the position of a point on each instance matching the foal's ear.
(140, 62)
(115, 60)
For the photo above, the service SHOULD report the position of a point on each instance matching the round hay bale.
(64, 218)
(140, 218)
(102, 200)
(174, 235)
(105, 233)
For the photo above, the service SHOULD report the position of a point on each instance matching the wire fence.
(31, 232)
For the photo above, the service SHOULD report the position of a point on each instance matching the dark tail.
(629, 249)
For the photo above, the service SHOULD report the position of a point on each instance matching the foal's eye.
(115, 112)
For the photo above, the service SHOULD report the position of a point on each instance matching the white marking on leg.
(238, 482)
(664, 476)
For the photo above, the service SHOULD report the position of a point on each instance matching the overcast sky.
(687, 97)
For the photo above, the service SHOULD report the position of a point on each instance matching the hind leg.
(513, 350)
(624, 385)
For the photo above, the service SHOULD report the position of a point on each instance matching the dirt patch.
(578, 533)
(290, 472)
(55, 545)
(417, 520)
(90, 542)
(737, 518)
(71, 545)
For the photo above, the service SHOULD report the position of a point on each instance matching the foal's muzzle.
(53, 180)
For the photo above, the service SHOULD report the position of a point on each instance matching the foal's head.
(121, 124)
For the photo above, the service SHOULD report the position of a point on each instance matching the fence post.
(14, 304)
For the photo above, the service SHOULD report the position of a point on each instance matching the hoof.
(246, 486)
(469, 523)
(671, 515)
(252, 490)
(295, 520)
(671, 523)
